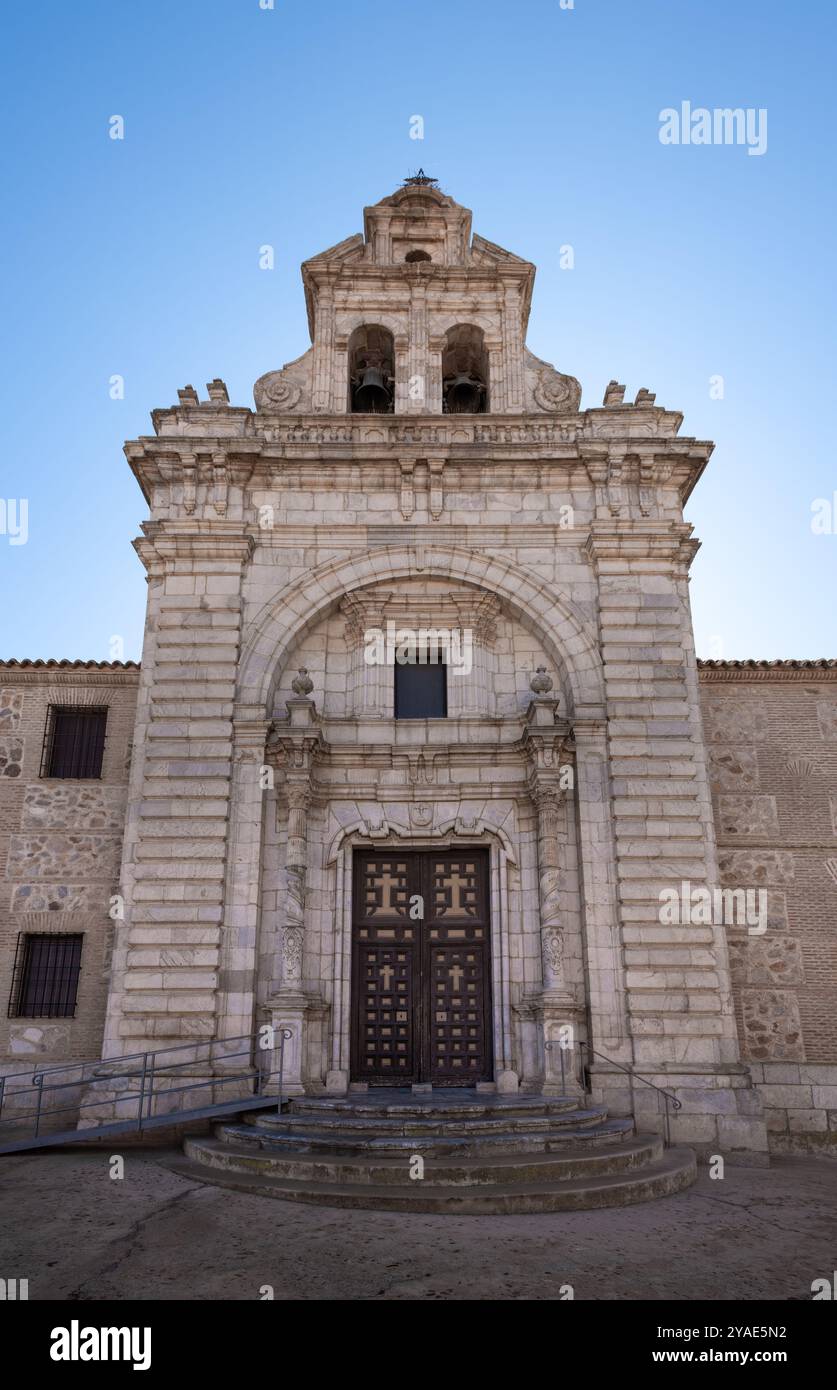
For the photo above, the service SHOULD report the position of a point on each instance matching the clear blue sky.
(246, 126)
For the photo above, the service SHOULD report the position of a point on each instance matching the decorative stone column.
(512, 351)
(324, 350)
(557, 1009)
(372, 683)
(547, 799)
(297, 745)
(416, 402)
(471, 693)
(435, 348)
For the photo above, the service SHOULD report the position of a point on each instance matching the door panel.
(421, 1007)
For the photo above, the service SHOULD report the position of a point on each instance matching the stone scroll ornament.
(286, 389)
(552, 390)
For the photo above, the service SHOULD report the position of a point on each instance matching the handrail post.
(38, 1083)
(285, 1033)
(2, 1093)
(150, 1110)
(635, 1076)
(142, 1090)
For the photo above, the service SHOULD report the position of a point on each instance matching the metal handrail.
(149, 1072)
(135, 1056)
(629, 1071)
(37, 1078)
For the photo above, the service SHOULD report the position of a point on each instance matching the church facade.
(420, 765)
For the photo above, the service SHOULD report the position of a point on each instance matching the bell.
(464, 395)
(371, 395)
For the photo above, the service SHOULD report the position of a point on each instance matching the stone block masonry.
(270, 760)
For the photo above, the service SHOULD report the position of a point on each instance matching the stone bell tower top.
(435, 314)
(418, 331)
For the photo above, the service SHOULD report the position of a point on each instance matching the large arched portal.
(421, 878)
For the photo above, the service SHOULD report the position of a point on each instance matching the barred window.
(45, 976)
(74, 741)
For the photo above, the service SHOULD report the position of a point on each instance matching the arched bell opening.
(371, 371)
(465, 371)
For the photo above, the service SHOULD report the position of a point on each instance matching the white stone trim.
(448, 833)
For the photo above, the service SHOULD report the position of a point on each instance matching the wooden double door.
(421, 969)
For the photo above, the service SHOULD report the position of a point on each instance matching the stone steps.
(427, 1141)
(388, 1170)
(430, 1125)
(668, 1175)
(450, 1105)
(481, 1154)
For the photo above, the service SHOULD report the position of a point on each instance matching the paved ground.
(76, 1233)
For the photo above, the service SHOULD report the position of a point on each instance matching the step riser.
(344, 1110)
(437, 1175)
(440, 1148)
(624, 1192)
(431, 1128)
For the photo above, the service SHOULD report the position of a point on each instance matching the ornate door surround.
(421, 968)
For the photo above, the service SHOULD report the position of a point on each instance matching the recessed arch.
(560, 628)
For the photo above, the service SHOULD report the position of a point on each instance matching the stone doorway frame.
(454, 834)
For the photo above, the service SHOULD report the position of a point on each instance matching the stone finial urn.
(541, 682)
(303, 684)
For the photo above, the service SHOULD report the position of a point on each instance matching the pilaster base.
(288, 1010)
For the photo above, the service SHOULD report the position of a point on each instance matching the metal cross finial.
(421, 178)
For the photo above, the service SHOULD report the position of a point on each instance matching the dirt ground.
(76, 1233)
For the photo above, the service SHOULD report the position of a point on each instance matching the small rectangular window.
(421, 687)
(74, 741)
(45, 976)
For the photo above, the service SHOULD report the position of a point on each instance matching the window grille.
(74, 741)
(45, 975)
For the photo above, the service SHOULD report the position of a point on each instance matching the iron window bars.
(74, 741)
(45, 976)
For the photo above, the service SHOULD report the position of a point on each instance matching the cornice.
(822, 668)
(63, 670)
(53, 672)
(196, 429)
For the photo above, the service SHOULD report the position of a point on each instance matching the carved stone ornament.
(302, 684)
(292, 953)
(553, 951)
(295, 899)
(283, 390)
(276, 393)
(541, 682)
(551, 389)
